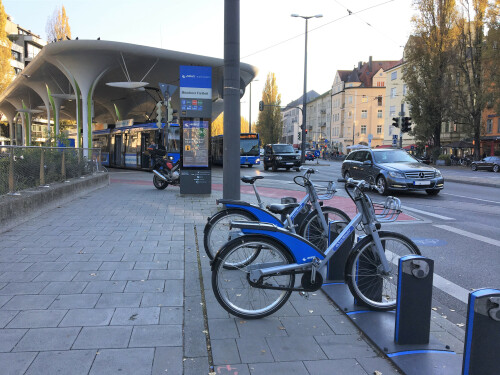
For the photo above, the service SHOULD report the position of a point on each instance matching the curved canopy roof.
(60, 64)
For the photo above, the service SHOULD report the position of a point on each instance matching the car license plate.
(421, 182)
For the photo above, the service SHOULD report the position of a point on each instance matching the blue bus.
(249, 149)
(124, 147)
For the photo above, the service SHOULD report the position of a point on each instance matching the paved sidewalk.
(110, 284)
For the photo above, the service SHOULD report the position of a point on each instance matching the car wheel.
(432, 192)
(496, 168)
(287, 168)
(347, 175)
(473, 167)
(382, 185)
(275, 167)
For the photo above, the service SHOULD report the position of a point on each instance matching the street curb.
(459, 181)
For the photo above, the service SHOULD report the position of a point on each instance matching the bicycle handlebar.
(360, 184)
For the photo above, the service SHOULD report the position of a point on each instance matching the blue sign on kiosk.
(195, 96)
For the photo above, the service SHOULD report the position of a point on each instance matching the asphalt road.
(459, 229)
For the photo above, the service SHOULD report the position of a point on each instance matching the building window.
(379, 129)
(393, 92)
(379, 100)
(349, 114)
(379, 113)
(404, 89)
(380, 84)
(489, 125)
(392, 111)
(349, 99)
(364, 99)
(17, 71)
(394, 75)
(363, 129)
(16, 56)
(364, 113)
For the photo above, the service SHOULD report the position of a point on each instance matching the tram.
(124, 147)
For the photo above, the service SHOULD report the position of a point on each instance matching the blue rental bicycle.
(307, 218)
(254, 275)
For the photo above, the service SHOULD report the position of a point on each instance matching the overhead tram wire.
(367, 23)
(350, 13)
(318, 27)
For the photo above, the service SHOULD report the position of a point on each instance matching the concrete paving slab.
(43, 339)
(16, 363)
(136, 361)
(110, 337)
(74, 362)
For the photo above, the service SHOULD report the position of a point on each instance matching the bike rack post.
(336, 265)
(482, 335)
(414, 299)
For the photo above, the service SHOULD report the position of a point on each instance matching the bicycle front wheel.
(312, 228)
(364, 274)
(232, 286)
(217, 231)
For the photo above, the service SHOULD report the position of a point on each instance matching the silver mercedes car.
(392, 170)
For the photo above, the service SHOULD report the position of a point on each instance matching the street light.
(304, 99)
(250, 107)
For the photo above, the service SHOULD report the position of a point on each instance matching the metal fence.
(28, 167)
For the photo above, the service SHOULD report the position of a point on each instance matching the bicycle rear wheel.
(232, 286)
(217, 231)
(312, 229)
(364, 274)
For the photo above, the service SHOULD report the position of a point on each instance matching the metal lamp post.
(304, 99)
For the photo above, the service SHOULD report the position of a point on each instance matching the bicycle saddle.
(251, 179)
(277, 208)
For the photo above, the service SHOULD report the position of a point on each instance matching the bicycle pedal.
(304, 294)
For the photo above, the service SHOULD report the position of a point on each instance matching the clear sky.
(271, 39)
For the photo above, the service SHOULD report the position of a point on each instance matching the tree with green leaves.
(428, 56)
(269, 122)
(57, 27)
(6, 71)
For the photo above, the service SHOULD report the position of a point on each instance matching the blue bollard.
(482, 336)
(413, 309)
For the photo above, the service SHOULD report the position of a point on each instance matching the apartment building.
(292, 119)
(25, 45)
(395, 106)
(358, 99)
(318, 121)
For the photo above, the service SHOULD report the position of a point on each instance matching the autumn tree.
(269, 122)
(6, 70)
(57, 27)
(428, 56)
(491, 56)
(218, 125)
(467, 84)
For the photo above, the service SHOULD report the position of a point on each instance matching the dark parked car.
(281, 156)
(309, 155)
(490, 163)
(392, 170)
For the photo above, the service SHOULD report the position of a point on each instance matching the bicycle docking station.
(404, 335)
(482, 334)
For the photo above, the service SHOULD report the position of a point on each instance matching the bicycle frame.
(263, 215)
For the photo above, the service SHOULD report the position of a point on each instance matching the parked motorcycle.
(165, 172)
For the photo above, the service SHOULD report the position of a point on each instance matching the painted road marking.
(427, 213)
(475, 236)
(478, 199)
(429, 242)
(445, 285)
